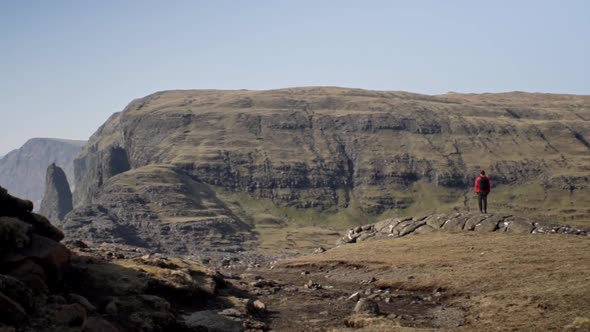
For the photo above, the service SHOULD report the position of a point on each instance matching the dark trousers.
(482, 201)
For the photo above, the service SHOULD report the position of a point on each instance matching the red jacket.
(477, 190)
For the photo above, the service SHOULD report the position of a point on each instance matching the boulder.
(255, 306)
(17, 291)
(455, 224)
(383, 225)
(366, 306)
(364, 236)
(411, 227)
(43, 226)
(424, 229)
(14, 233)
(52, 256)
(396, 230)
(436, 220)
(474, 220)
(31, 274)
(489, 224)
(75, 298)
(71, 315)
(519, 225)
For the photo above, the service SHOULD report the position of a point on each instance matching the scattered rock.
(319, 250)
(312, 285)
(256, 306)
(355, 297)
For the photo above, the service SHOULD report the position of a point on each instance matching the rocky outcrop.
(57, 200)
(22, 171)
(457, 222)
(46, 286)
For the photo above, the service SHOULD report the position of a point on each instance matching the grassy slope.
(505, 282)
(290, 229)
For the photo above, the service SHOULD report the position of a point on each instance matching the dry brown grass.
(505, 282)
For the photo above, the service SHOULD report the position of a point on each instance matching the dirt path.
(317, 298)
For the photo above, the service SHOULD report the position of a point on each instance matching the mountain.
(221, 164)
(22, 171)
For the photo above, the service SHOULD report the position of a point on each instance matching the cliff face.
(57, 200)
(333, 148)
(22, 171)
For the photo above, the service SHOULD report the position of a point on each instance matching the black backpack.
(484, 184)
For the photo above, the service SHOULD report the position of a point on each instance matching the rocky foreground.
(48, 286)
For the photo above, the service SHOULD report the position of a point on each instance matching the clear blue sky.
(65, 66)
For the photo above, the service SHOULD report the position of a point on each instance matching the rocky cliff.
(57, 200)
(330, 150)
(22, 171)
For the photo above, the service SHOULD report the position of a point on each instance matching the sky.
(66, 66)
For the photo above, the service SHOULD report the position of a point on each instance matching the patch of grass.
(283, 228)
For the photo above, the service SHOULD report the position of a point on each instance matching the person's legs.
(479, 201)
(485, 202)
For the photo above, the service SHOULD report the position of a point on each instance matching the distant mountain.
(22, 171)
(179, 165)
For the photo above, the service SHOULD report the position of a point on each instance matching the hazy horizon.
(67, 66)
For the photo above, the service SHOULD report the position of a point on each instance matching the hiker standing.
(482, 189)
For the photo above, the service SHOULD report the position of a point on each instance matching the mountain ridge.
(365, 153)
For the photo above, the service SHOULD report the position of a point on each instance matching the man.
(482, 189)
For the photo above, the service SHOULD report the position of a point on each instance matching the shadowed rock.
(46, 287)
(57, 201)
